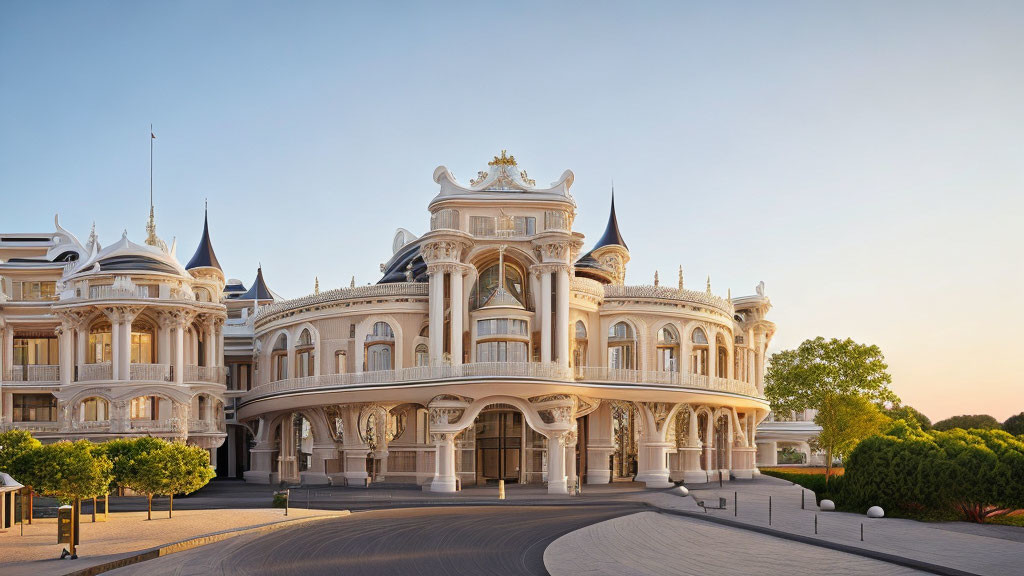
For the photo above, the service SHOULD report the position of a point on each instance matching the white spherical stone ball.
(827, 506)
(682, 491)
(876, 512)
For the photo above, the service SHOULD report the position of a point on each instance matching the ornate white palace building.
(493, 348)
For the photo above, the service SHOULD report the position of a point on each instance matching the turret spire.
(204, 257)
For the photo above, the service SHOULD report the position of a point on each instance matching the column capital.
(447, 267)
(554, 251)
(447, 250)
(549, 268)
(121, 314)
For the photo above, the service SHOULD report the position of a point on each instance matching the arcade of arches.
(557, 439)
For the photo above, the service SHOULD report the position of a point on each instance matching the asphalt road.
(489, 540)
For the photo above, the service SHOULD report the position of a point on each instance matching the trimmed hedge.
(974, 474)
(814, 482)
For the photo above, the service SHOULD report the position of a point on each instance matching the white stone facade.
(492, 350)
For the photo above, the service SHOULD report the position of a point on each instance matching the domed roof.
(127, 256)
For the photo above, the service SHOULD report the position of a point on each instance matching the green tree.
(70, 470)
(909, 414)
(823, 375)
(150, 475)
(124, 453)
(1015, 424)
(968, 422)
(845, 421)
(16, 448)
(188, 469)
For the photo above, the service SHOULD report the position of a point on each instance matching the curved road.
(411, 541)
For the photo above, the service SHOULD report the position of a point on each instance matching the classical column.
(686, 351)
(556, 462)
(4, 346)
(219, 354)
(444, 463)
(163, 340)
(544, 310)
(210, 343)
(570, 462)
(456, 306)
(81, 347)
(712, 356)
(562, 317)
(115, 346)
(436, 318)
(759, 366)
(179, 351)
(65, 340)
(652, 451)
(125, 338)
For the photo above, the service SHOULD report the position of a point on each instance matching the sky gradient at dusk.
(863, 159)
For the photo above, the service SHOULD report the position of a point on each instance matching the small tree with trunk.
(150, 475)
(69, 471)
(188, 469)
(823, 375)
(845, 421)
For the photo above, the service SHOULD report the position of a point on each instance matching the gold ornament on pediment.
(504, 160)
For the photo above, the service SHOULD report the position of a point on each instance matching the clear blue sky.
(863, 159)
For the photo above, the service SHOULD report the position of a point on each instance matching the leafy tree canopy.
(1015, 424)
(908, 414)
(845, 421)
(968, 422)
(16, 447)
(189, 468)
(124, 453)
(818, 369)
(69, 470)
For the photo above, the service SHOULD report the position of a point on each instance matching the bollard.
(287, 497)
(719, 478)
(815, 523)
(802, 494)
(501, 489)
(861, 531)
(307, 498)
(94, 509)
(769, 510)
(736, 503)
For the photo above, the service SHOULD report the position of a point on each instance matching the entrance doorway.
(499, 442)
(624, 433)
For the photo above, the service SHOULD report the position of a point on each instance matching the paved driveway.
(442, 540)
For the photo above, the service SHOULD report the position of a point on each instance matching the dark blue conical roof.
(259, 290)
(611, 236)
(204, 257)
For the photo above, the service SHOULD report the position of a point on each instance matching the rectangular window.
(34, 407)
(36, 351)
(525, 226)
(99, 348)
(142, 348)
(481, 225)
(501, 327)
(501, 351)
(35, 290)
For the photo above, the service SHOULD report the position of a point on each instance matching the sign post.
(66, 531)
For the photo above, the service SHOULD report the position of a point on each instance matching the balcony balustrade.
(167, 425)
(537, 370)
(33, 373)
(93, 372)
(211, 374)
(31, 426)
(90, 426)
(157, 372)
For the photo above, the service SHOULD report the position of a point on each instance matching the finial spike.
(709, 284)
(656, 278)
(680, 276)
(353, 283)
(316, 285)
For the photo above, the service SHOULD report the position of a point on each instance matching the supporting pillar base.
(654, 480)
(314, 478)
(443, 485)
(599, 476)
(695, 477)
(745, 474)
(558, 487)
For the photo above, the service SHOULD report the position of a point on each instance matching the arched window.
(699, 355)
(149, 408)
(279, 358)
(621, 347)
(202, 295)
(722, 366)
(339, 362)
(579, 348)
(495, 288)
(422, 355)
(305, 355)
(668, 349)
(94, 410)
(380, 348)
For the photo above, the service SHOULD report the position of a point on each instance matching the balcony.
(532, 370)
(33, 373)
(93, 372)
(211, 374)
(31, 426)
(158, 372)
(167, 425)
(205, 426)
(90, 426)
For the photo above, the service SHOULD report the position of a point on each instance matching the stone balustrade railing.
(613, 291)
(340, 294)
(30, 426)
(33, 373)
(211, 374)
(93, 372)
(158, 372)
(507, 370)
